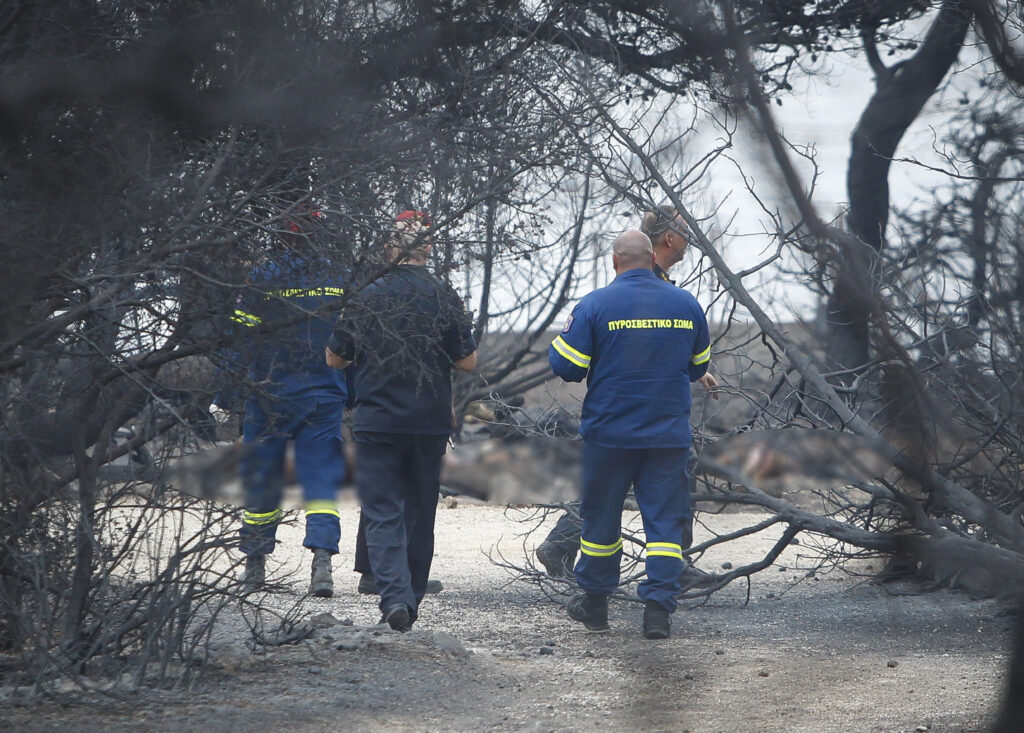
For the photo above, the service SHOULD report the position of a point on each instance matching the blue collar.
(635, 272)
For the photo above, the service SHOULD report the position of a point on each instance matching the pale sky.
(822, 112)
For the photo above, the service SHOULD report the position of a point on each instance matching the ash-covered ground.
(828, 653)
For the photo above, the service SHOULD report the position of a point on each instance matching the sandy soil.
(830, 653)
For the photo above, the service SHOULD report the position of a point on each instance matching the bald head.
(632, 249)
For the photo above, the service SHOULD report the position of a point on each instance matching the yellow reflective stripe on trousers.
(665, 549)
(246, 319)
(702, 357)
(322, 506)
(265, 518)
(595, 550)
(576, 357)
(305, 292)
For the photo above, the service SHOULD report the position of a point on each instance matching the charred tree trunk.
(978, 243)
(901, 92)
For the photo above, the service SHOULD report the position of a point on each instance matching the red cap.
(419, 217)
(295, 228)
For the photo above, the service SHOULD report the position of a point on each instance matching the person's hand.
(218, 413)
(710, 384)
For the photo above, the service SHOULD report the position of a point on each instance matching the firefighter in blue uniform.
(403, 334)
(639, 342)
(286, 314)
(669, 237)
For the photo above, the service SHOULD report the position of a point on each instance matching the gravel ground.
(830, 653)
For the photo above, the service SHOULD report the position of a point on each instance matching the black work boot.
(590, 609)
(556, 561)
(321, 584)
(657, 624)
(693, 577)
(368, 585)
(255, 573)
(397, 617)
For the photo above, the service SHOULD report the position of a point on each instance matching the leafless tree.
(152, 153)
(151, 157)
(936, 399)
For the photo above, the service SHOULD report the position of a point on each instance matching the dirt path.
(829, 654)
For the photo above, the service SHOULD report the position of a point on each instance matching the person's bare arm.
(333, 360)
(467, 363)
(710, 384)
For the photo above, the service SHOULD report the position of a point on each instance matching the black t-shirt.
(403, 333)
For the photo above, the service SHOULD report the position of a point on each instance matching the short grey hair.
(657, 222)
(663, 219)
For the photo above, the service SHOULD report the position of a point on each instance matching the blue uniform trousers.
(314, 424)
(565, 535)
(658, 477)
(398, 483)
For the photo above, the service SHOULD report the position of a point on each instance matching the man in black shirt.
(403, 333)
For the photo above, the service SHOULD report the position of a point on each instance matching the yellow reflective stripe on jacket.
(595, 550)
(576, 357)
(250, 319)
(702, 357)
(265, 518)
(246, 319)
(322, 506)
(304, 292)
(665, 549)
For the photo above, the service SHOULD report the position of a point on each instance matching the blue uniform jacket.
(287, 313)
(639, 342)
